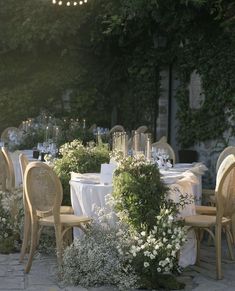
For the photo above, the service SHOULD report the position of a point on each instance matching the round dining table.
(184, 180)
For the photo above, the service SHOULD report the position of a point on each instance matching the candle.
(23, 125)
(56, 133)
(136, 141)
(26, 125)
(148, 149)
(84, 123)
(114, 141)
(47, 128)
(125, 144)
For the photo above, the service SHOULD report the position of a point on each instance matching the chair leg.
(33, 245)
(218, 252)
(58, 235)
(229, 242)
(198, 237)
(26, 235)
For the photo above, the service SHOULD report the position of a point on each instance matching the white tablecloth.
(86, 196)
(185, 181)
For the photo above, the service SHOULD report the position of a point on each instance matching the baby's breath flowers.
(11, 219)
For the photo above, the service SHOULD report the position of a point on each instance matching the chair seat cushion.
(203, 220)
(66, 219)
(209, 210)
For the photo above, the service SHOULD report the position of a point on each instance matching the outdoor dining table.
(87, 193)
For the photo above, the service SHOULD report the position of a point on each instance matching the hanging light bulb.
(69, 3)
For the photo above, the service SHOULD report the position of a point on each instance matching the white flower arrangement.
(97, 259)
(11, 218)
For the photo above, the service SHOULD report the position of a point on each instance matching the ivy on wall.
(109, 53)
(212, 55)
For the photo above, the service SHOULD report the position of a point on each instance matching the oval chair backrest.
(3, 172)
(165, 146)
(225, 187)
(43, 190)
(116, 128)
(227, 151)
(142, 129)
(23, 160)
(10, 173)
(6, 132)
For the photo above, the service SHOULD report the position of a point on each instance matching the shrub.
(138, 191)
(75, 157)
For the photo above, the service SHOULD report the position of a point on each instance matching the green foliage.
(139, 191)
(213, 57)
(79, 159)
(107, 55)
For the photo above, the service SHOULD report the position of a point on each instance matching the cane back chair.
(225, 209)
(44, 194)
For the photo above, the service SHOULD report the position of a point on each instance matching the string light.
(69, 3)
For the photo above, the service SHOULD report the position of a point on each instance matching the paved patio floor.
(42, 276)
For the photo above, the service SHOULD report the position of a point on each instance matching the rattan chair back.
(116, 128)
(9, 168)
(142, 129)
(227, 151)
(43, 190)
(225, 188)
(23, 160)
(165, 146)
(5, 136)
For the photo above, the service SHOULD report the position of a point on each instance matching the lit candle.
(23, 125)
(56, 133)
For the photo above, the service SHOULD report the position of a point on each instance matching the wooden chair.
(227, 151)
(209, 194)
(142, 129)
(165, 146)
(8, 168)
(26, 235)
(6, 132)
(116, 128)
(3, 172)
(225, 209)
(44, 194)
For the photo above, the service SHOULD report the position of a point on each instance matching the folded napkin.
(106, 173)
(86, 178)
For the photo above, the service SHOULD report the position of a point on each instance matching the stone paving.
(42, 276)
